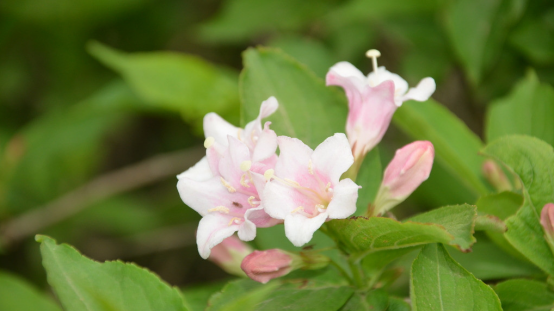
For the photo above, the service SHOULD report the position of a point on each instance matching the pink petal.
(400, 85)
(343, 204)
(294, 158)
(348, 77)
(333, 157)
(218, 128)
(279, 200)
(212, 230)
(260, 218)
(266, 145)
(300, 229)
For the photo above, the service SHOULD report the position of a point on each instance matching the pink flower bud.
(547, 222)
(229, 254)
(410, 166)
(263, 266)
(496, 177)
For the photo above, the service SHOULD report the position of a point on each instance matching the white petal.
(344, 199)
(268, 107)
(229, 165)
(266, 144)
(199, 172)
(293, 158)
(278, 200)
(204, 195)
(212, 230)
(333, 157)
(218, 128)
(247, 231)
(348, 71)
(425, 88)
(300, 229)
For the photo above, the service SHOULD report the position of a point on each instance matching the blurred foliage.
(89, 87)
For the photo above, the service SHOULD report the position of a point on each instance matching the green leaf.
(375, 300)
(83, 284)
(240, 20)
(489, 262)
(196, 297)
(535, 38)
(438, 283)
(19, 295)
(525, 295)
(456, 147)
(528, 109)
(398, 304)
(362, 236)
(477, 44)
(178, 82)
(369, 178)
(533, 161)
(283, 295)
(308, 110)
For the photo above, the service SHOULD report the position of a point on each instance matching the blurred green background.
(101, 104)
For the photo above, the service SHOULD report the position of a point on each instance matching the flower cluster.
(242, 184)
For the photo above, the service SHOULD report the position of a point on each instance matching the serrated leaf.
(533, 161)
(83, 284)
(308, 110)
(19, 295)
(438, 283)
(178, 82)
(528, 109)
(362, 236)
(525, 295)
(196, 297)
(456, 147)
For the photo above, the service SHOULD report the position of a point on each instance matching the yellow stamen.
(243, 181)
(209, 142)
(229, 187)
(219, 209)
(251, 201)
(299, 208)
(310, 167)
(245, 165)
(233, 220)
(328, 187)
(239, 131)
(320, 207)
(268, 174)
(296, 184)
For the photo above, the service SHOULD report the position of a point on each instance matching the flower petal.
(293, 159)
(266, 145)
(260, 218)
(344, 199)
(218, 128)
(400, 85)
(424, 89)
(229, 165)
(277, 199)
(199, 172)
(333, 157)
(348, 77)
(212, 230)
(300, 229)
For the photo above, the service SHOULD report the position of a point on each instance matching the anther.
(239, 131)
(234, 220)
(320, 207)
(243, 181)
(268, 174)
(328, 187)
(310, 167)
(373, 55)
(299, 208)
(209, 142)
(219, 209)
(245, 165)
(251, 201)
(229, 187)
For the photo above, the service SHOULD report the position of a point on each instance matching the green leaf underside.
(362, 236)
(533, 161)
(369, 178)
(438, 283)
(456, 147)
(308, 110)
(19, 295)
(179, 82)
(525, 295)
(284, 295)
(528, 109)
(83, 284)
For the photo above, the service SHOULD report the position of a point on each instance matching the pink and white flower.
(305, 191)
(229, 254)
(263, 266)
(222, 186)
(372, 100)
(410, 166)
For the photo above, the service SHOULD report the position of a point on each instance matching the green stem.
(342, 271)
(356, 273)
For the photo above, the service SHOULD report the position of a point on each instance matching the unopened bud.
(410, 166)
(496, 176)
(229, 254)
(547, 222)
